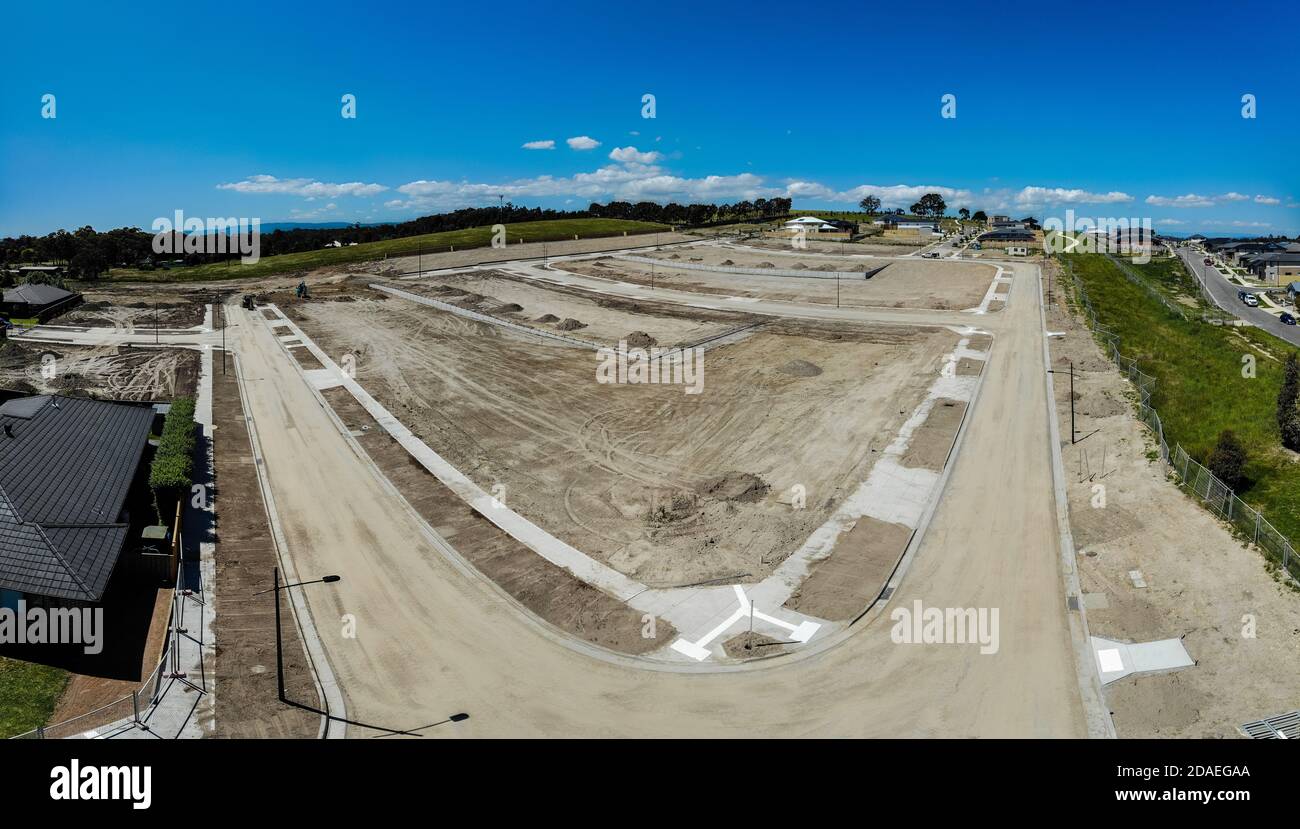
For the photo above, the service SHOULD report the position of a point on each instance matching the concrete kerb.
(1096, 712)
(322, 675)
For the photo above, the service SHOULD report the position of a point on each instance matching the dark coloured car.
(1287, 319)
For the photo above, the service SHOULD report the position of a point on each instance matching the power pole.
(1072, 432)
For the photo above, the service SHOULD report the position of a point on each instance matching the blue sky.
(1121, 111)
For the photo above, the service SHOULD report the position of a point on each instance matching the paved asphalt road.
(1224, 294)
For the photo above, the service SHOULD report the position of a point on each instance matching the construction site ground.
(905, 283)
(667, 487)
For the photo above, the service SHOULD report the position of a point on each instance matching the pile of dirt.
(800, 368)
(640, 339)
(547, 318)
(570, 324)
(726, 262)
(766, 265)
(469, 299)
(510, 308)
(745, 487)
(798, 266)
(677, 507)
(675, 256)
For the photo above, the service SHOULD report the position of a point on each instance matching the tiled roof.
(66, 466)
(36, 294)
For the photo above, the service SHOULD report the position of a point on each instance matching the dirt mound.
(510, 308)
(675, 256)
(677, 507)
(547, 318)
(798, 266)
(469, 299)
(766, 265)
(570, 324)
(735, 486)
(726, 262)
(640, 339)
(800, 368)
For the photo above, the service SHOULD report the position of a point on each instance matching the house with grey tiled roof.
(68, 466)
(37, 300)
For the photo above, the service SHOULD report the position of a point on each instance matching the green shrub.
(172, 471)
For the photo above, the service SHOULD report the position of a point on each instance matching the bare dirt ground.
(129, 309)
(669, 488)
(551, 592)
(902, 284)
(477, 256)
(600, 321)
(876, 246)
(109, 372)
(1202, 583)
(247, 703)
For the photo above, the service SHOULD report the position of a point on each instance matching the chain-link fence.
(1192, 476)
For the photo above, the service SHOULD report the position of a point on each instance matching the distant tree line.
(87, 253)
(692, 215)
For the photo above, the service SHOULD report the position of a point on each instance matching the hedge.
(172, 471)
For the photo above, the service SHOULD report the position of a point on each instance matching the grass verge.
(28, 694)
(1202, 385)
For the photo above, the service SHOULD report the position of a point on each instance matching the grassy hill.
(1200, 388)
(474, 237)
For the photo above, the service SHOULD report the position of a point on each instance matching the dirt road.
(432, 638)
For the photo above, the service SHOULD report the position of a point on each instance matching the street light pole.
(279, 671)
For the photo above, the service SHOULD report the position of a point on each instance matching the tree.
(870, 205)
(1288, 419)
(1228, 460)
(964, 213)
(931, 204)
(980, 216)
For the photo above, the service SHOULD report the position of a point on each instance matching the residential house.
(70, 469)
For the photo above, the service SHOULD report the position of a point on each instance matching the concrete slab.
(1116, 660)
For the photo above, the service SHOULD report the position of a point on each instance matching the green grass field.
(28, 694)
(474, 237)
(1200, 389)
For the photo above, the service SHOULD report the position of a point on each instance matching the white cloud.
(1189, 200)
(1234, 196)
(632, 154)
(540, 145)
(1032, 196)
(582, 142)
(307, 188)
(1267, 200)
(1170, 222)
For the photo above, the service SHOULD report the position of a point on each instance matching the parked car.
(1248, 298)
(1287, 319)
(1209, 261)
